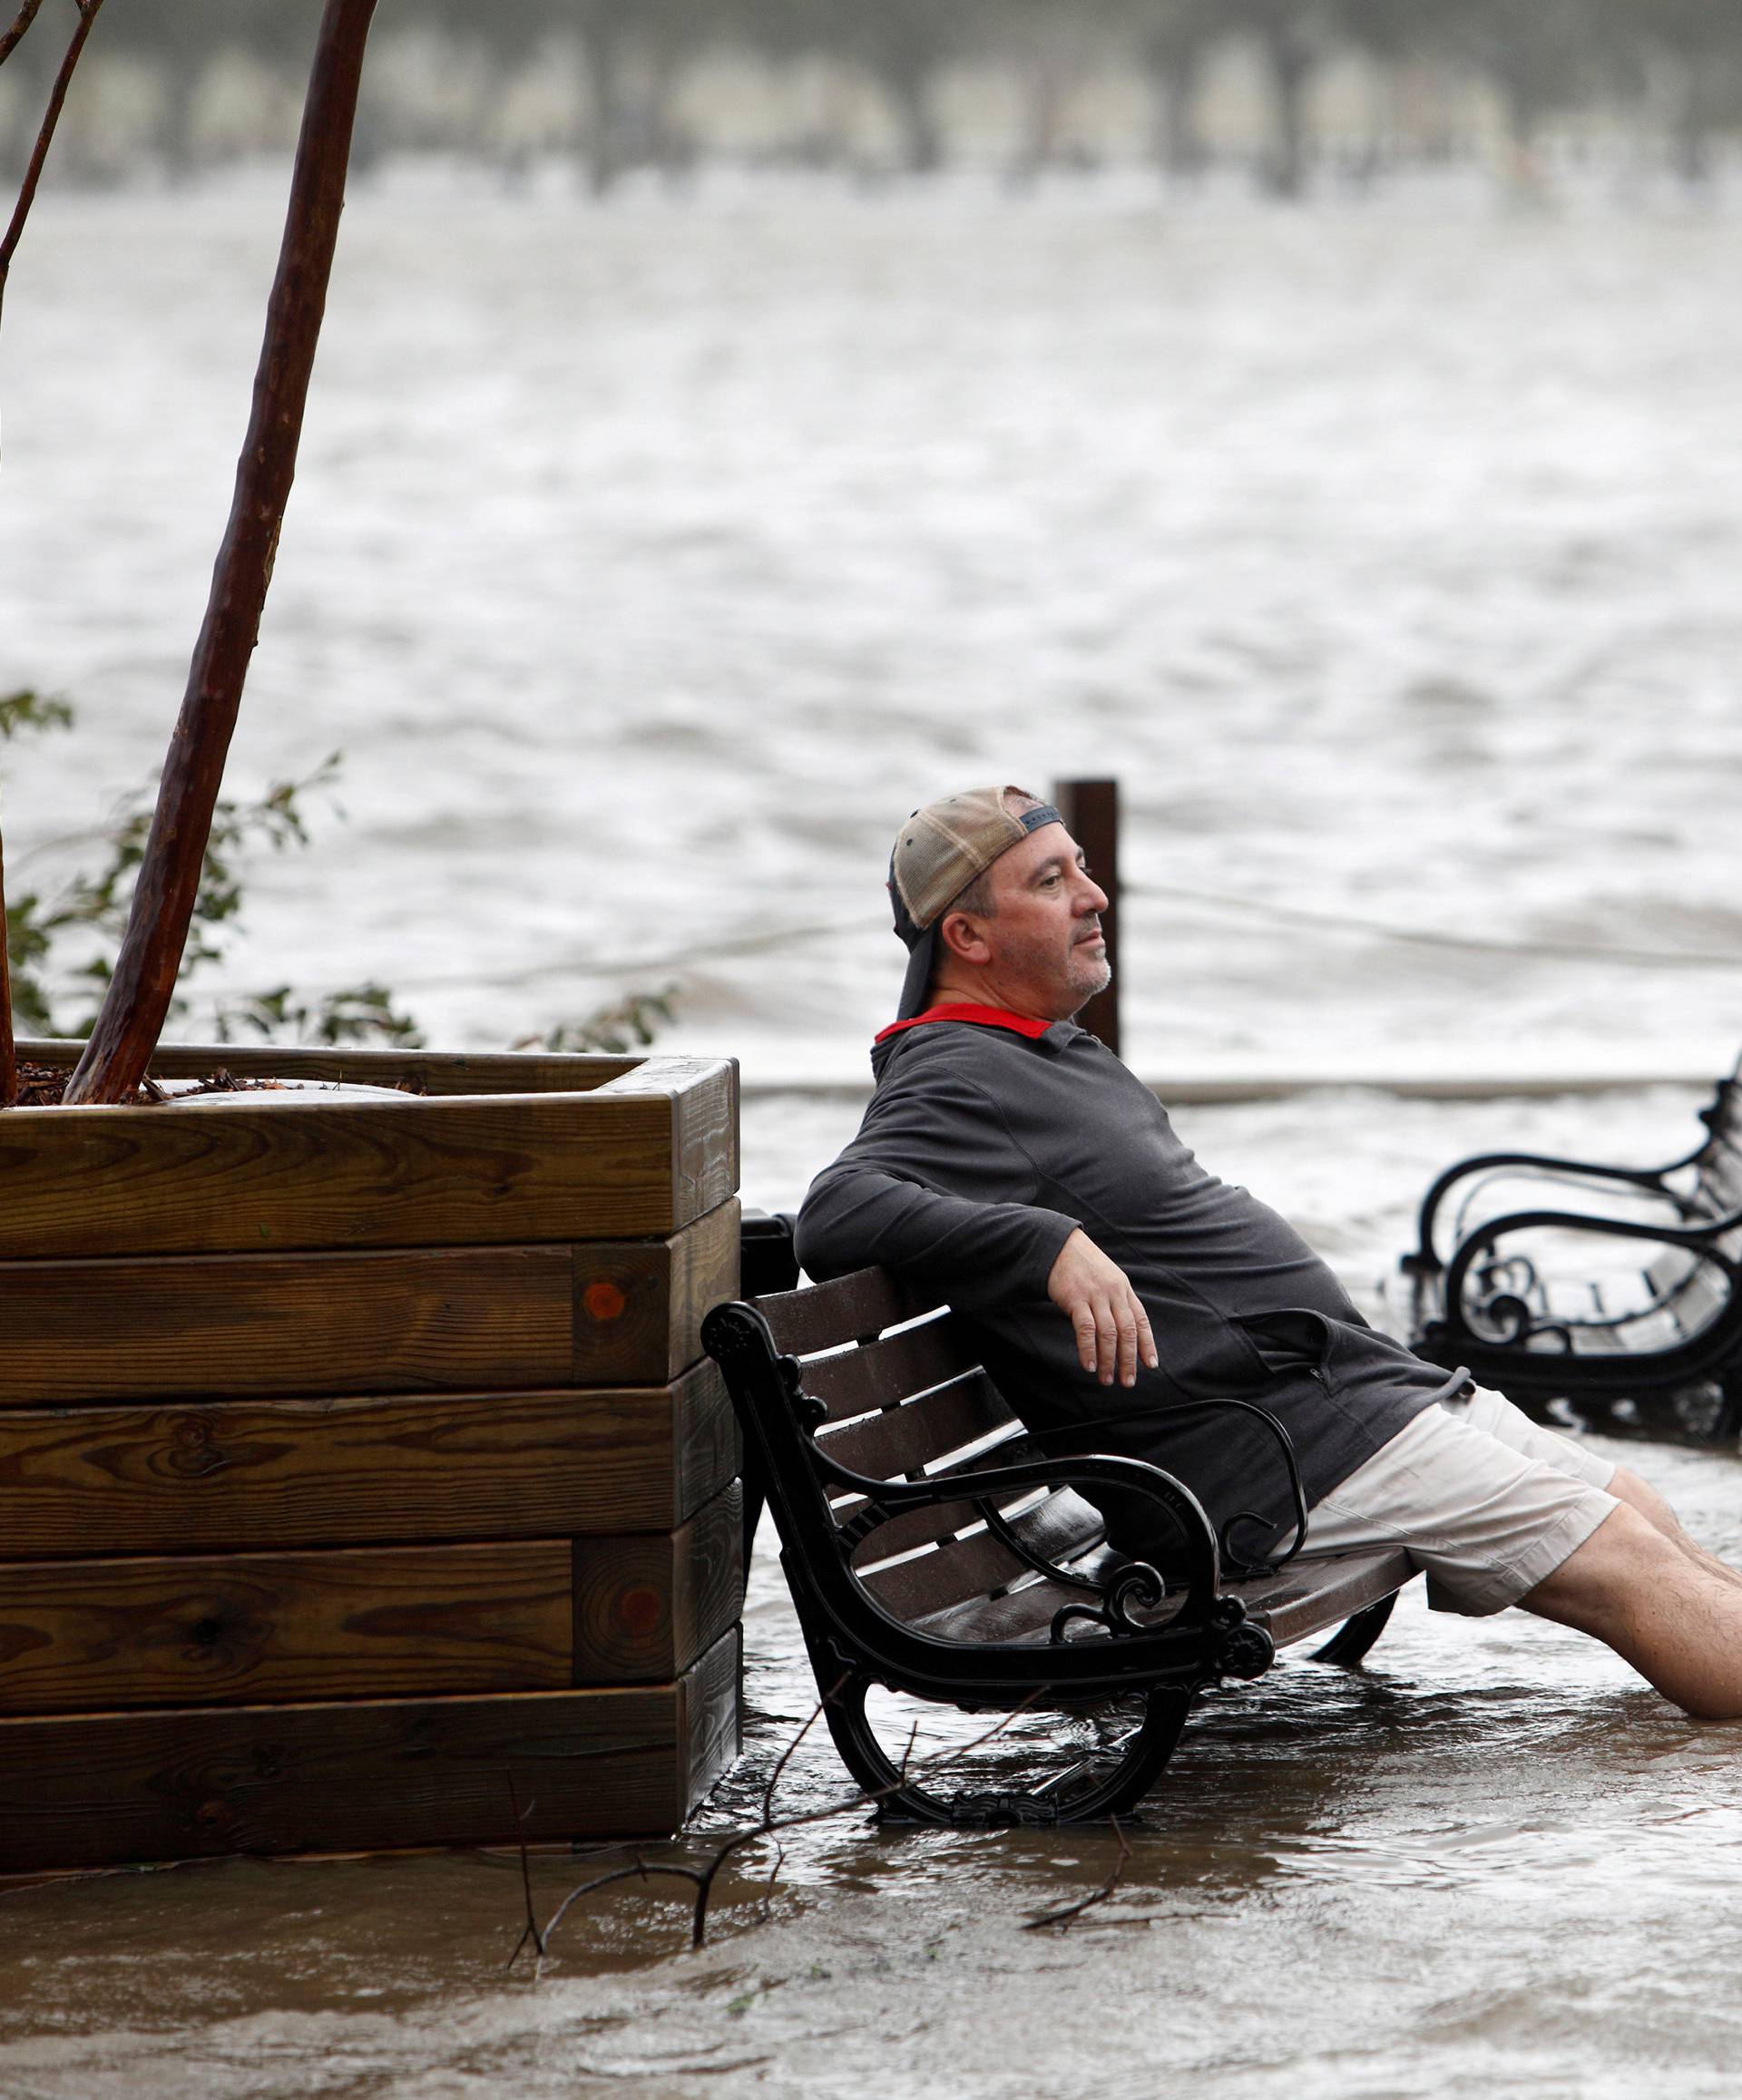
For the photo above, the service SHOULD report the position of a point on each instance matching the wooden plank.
(643, 1156)
(702, 1094)
(878, 1374)
(309, 1472)
(1311, 1595)
(1057, 1525)
(427, 1071)
(1316, 1593)
(431, 1319)
(452, 1318)
(903, 1439)
(248, 1627)
(645, 1606)
(639, 1305)
(106, 1788)
(1058, 1529)
(946, 1575)
(710, 1717)
(849, 1309)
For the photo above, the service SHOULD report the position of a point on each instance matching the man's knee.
(1623, 1558)
(1637, 1494)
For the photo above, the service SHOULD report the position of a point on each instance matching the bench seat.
(934, 1550)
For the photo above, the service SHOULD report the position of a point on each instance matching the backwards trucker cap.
(938, 851)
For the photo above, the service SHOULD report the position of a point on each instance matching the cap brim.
(917, 985)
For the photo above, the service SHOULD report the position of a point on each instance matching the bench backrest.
(1694, 1290)
(903, 1394)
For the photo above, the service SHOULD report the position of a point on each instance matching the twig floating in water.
(1067, 1916)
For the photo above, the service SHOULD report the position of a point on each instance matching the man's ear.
(960, 936)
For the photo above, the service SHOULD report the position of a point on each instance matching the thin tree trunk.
(138, 995)
(8, 1050)
(45, 135)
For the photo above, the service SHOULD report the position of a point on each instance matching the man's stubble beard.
(1096, 978)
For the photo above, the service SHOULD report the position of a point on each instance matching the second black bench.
(1510, 1287)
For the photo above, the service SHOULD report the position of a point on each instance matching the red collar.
(982, 1016)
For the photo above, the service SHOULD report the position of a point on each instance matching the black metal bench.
(933, 1551)
(1552, 1301)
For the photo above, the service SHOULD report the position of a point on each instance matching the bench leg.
(1084, 1791)
(1350, 1644)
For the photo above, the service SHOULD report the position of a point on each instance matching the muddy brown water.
(1389, 557)
(1490, 1863)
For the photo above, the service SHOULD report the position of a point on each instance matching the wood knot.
(191, 1451)
(603, 1302)
(640, 1610)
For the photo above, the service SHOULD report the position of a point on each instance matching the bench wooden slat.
(851, 1308)
(1720, 1177)
(1020, 1615)
(1310, 1596)
(1321, 1590)
(960, 1569)
(1058, 1529)
(939, 1520)
(1656, 1330)
(878, 1375)
(903, 1439)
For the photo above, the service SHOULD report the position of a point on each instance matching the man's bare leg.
(1628, 1487)
(1660, 1609)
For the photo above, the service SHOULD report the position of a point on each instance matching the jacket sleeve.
(934, 1187)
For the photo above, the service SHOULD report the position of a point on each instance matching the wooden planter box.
(358, 1455)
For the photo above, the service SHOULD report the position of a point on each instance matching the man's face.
(1047, 955)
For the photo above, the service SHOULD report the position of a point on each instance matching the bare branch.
(702, 1879)
(13, 37)
(1067, 1916)
(786, 1756)
(532, 1931)
(15, 233)
(139, 994)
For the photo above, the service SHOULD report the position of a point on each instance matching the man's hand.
(1111, 1328)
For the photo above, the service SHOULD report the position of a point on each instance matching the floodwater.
(648, 562)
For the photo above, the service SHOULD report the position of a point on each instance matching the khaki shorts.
(1485, 1501)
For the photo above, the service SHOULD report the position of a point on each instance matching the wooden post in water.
(138, 995)
(1091, 811)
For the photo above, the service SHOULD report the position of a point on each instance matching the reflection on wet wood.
(310, 1472)
(185, 1784)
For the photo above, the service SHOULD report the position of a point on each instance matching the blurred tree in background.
(874, 85)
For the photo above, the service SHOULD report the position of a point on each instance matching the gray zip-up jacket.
(985, 1145)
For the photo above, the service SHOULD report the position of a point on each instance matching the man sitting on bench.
(1012, 1164)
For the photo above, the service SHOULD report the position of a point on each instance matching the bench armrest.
(1425, 1260)
(1698, 1240)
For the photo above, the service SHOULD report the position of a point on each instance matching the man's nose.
(1093, 897)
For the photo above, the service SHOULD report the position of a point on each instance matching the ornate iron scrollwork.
(1137, 1582)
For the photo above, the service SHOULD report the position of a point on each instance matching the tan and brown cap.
(938, 851)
